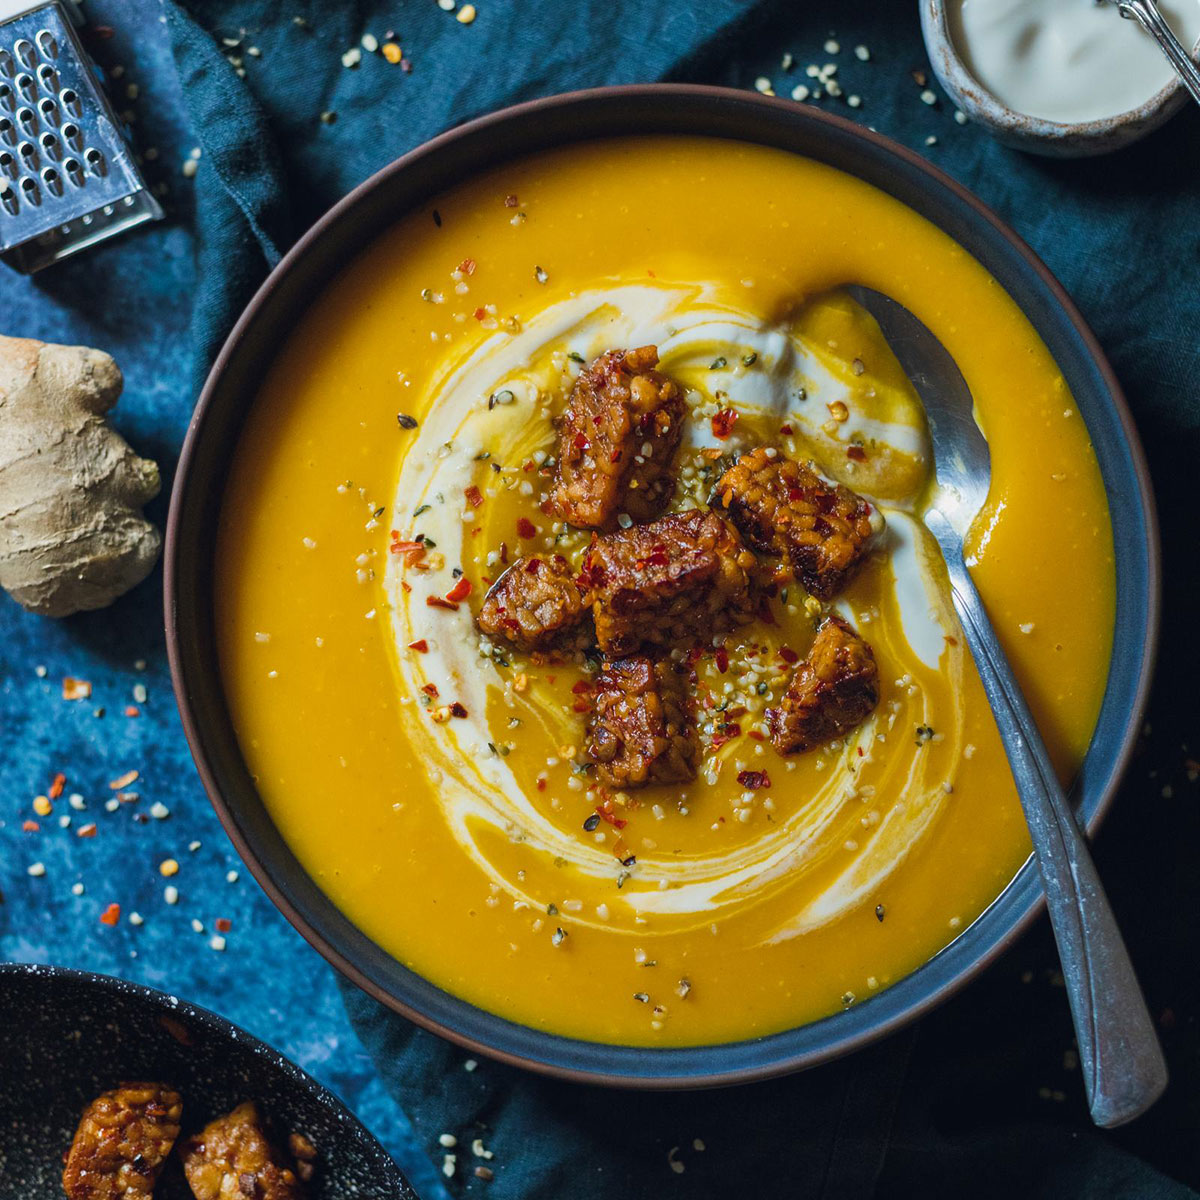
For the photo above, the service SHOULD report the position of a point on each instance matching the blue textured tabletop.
(1120, 233)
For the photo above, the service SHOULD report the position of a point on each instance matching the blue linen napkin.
(983, 1100)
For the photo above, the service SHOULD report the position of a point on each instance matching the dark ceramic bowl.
(66, 1036)
(349, 228)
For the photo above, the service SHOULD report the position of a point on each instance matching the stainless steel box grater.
(67, 175)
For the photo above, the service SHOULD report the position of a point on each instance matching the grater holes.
(49, 110)
(47, 44)
(26, 54)
(72, 136)
(26, 87)
(97, 163)
(8, 164)
(29, 154)
(8, 97)
(53, 181)
(27, 120)
(8, 132)
(74, 171)
(7, 66)
(33, 194)
(69, 98)
(51, 146)
(8, 197)
(48, 78)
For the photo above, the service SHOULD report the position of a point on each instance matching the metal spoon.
(1123, 1067)
(1148, 15)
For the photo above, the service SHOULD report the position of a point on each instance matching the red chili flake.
(723, 422)
(430, 689)
(30, 826)
(754, 779)
(861, 752)
(581, 706)
(758, 737)
(511, 201)
(857, 453)
(527, 466)
(75, 689)
(541, 784)
(467, 266)
(580, 442)
(474, 496)
(605, 811)
(526, 528)
(457, 710)
(412, 552)
(460, 591)
(406, 585)
(123, 781)
(223, 924)
(551, 678)
(421, 646)
(132, 710)
(56, 786)
(111, 915)
(533, 566)
(479, 314)
(786, 429)
(721, 658)
(438, 602)
(581, 687)
(788, 654)
(87, 831)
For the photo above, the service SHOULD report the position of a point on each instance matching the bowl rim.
(178, 1008)
(552, 1053)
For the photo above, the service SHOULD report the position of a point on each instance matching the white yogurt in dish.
(1068, 61)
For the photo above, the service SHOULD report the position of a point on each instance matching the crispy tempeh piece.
(641, 731)
(232, 1158)
(124, 1137)
(617, 439)
(671, 583)
(821, 530)
(537, 606)
(834, 689)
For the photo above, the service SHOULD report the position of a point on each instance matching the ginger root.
(72, 534)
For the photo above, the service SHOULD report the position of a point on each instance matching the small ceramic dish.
(1055, 139)
(71, 1035)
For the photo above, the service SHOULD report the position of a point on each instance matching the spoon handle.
(1147, 14)
(1123, 1067)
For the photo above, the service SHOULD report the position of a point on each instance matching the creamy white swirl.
(874, 797)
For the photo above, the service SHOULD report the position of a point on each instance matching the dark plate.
(66, 1036)
(347, 229)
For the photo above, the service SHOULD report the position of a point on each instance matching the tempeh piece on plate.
(232, 1158)
(124, 1137)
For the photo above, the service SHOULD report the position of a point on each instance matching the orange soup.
(436, 782)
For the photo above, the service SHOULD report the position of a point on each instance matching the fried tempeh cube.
(232, 1158)
(833, 690)
(617, 439)
(640, 731)
(124, 1137)
(536, 606)
(821, 530)
(670, 583)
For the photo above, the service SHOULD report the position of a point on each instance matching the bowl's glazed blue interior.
(375, 206)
